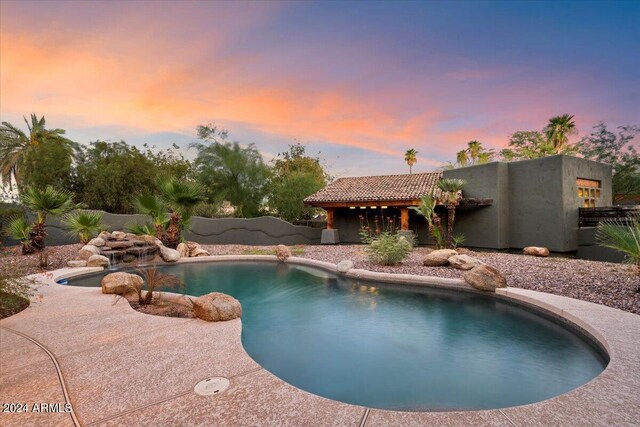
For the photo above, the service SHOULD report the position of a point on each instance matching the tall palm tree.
(181, 196)
(474, 148)
(462, 158)
(411, 158)
(16, 145)
(450, 190)
(49, 201)
(558, 130)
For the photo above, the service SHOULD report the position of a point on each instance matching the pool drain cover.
(211, 386)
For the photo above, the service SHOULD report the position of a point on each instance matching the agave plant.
(450, 189)
(48, 201)
(20, 229)
(84, 224)
(154, 279)
(427, 208)
(623, 237)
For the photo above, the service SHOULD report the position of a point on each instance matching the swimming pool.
(391, 347)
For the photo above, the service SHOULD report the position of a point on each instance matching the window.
(588, 192)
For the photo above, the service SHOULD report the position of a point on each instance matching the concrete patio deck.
(117, 366)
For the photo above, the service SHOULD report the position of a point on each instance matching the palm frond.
(19, 228)
(83, 224)
(621, 236)
(47, 201)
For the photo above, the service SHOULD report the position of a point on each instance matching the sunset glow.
(359, 80)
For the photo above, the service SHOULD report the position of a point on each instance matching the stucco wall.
(535, 202)
(487, 226)
(253, 231)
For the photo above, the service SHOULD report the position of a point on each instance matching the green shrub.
(388, 248)
(19, 228)
(458, 239)
(84, 224)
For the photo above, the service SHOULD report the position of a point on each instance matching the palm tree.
(15, 146)
(558, 131)
(462, 158)
(474, 148)
(450, 189)
(83, 224)
(49, 201)
(181, 196)
(19, 228)
(623, 237)
(410, 158)
(427, 208)
(157, 209)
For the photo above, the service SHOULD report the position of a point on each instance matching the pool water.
(394, 347)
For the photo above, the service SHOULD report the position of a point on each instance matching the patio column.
(404, 218)
(329, 218)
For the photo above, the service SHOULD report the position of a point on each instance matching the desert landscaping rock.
(120, 283)
(168, 254)
(75, 263)
(536, 251)
(344, 266)
(88, 251)
(439, 257)
(183, 249)
(216, 306)
(119, 235)
(282, 252)
(464, 262)
(97, 242)
(98, 261)
(199, 252)
(120, 244)
(485, 278)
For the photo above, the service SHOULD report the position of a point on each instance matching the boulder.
(74, 263)
(464, 262)
(105, 235)
(98, 261)
(119, 235)
(168, 254)
(282, 252)
(119, 244)
(536, 251)
(183, 249)
(130, 236)
(120, 283)
(149, 239)
(192, 245)
(438, 257)
(199, 252)
(344, 266)
(88, 251)
(485, 278)
(216, 306)
(97, 242)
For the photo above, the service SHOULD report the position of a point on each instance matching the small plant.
(458, 239)
(427, 208)
(141, 230)
(84, 224)
(388, 249)
(154, 279)
(20, 229)
(622, 236)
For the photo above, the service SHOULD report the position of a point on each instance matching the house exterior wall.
(535, 202)
(488, 226)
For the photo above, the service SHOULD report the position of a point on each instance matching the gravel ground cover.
(610, 284)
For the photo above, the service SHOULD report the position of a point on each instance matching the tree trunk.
(160, 232)
(27, 248)
(36, 236)
(173, 231)
(451, 212)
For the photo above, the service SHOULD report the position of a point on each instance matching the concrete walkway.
(117, 366)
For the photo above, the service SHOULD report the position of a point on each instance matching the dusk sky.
(359, 81)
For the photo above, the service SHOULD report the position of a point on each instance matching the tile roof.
(378, 188)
